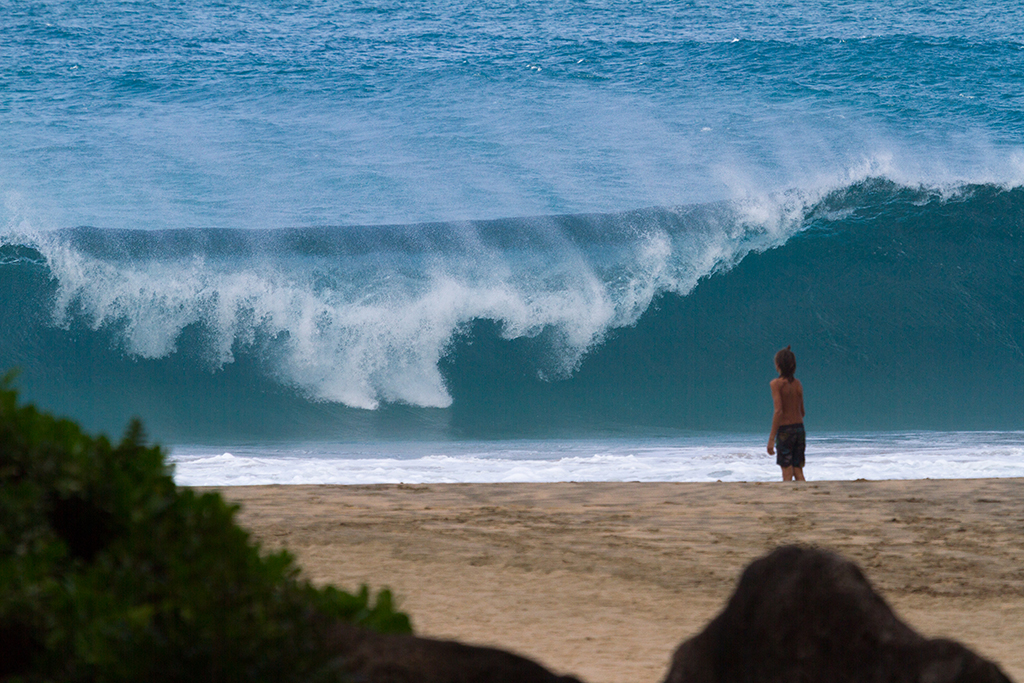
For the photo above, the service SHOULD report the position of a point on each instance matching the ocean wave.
(606, 321)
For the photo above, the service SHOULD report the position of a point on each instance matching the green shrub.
(109, 572)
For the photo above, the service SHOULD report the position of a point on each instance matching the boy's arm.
(776, 417)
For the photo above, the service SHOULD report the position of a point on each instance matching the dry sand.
(605, 580)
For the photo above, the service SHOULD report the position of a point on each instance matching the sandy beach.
(604, 580)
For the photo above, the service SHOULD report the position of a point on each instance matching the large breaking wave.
(905, 306)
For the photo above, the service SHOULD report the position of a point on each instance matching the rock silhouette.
(370, 657)
(807, 615)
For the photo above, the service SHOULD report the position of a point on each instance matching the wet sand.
(604, 580)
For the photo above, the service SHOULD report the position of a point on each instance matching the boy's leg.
(798, 473)
(787, 474)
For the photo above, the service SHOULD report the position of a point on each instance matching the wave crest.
(366, 315)
(650, 316)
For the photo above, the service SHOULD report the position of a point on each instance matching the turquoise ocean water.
(377, 241)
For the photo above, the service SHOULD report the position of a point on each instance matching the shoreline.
(706, 458)
(604, 580)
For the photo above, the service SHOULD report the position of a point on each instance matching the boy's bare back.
(788, 396)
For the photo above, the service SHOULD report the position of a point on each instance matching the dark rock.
(807, 615)
(370, 657)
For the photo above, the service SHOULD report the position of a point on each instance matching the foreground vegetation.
(109, 572)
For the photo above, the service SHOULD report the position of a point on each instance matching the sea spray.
(360, 319)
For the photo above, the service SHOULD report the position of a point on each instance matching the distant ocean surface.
(369, 242)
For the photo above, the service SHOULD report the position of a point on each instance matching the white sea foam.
(915, 455)
(360, 333)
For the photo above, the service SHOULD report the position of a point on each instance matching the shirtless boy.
(788, 421)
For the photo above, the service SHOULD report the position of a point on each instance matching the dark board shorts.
(790, 444)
